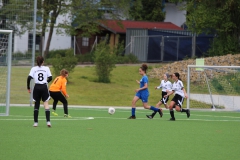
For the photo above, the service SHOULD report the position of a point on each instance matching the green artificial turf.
(93, 134)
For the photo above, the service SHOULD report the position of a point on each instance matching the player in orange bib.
(58, 92)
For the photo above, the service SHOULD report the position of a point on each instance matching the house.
(116, 30)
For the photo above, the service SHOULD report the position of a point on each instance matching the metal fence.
(165, 45)
(12, 15)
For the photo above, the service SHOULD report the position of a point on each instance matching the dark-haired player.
(142, 93)
(178, 98)
(42, 76)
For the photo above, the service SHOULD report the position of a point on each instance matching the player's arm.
(185, 94)
(144, 87)
(49, 79)
(64, 88)
(28, 83)
(169, 93)
(158, 87)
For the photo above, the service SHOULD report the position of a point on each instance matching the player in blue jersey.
(180, 94)
(142, 93)
(42, 76)
(166, 86)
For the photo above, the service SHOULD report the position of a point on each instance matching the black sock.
(47, 113)
(65, 108)
(35, 115)
(153, 114)
(184, 110)
(172, 114)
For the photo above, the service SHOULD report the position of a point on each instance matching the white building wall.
(174, 14)
(21, 43)
(59, 41)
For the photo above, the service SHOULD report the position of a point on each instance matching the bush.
(104, 59)
(68, 62)
(61, 52)
(88, 57)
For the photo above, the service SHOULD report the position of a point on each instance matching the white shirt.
(165, 85)
(178, 88)
(40, 74)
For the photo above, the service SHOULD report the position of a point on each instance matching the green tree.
(150, 10)
(219, 17)
(68, 62)
(78, 14)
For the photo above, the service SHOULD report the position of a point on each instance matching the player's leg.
(180, 109)
(55, 101)
(65, 105)
(36, 99)
(134, 101)
(45, 98)
(154, 112)
(171, 105)
(146, 106)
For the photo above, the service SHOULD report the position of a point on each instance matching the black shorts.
(40, 92)
(58, 96)
(164, 100)
(178, 100)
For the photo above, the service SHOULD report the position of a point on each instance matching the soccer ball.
(111, 110)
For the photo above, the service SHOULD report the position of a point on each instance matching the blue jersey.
(142, 83)
(143, 94)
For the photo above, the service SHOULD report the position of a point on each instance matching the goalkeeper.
(58, 92)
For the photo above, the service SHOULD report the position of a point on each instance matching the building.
(116, 30)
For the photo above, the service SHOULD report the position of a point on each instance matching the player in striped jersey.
(180, 94)
(59, 93)
(42, 76)
(166, 86)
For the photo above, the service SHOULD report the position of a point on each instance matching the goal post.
(213, 87)
(5, 69)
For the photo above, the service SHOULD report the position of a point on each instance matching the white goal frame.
(9, 60)
(201, 67)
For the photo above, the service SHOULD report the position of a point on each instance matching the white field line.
(29, 118)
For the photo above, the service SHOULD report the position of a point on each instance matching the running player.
(180, 94)
(166, 86)
(58, 92)
(42, 76)
(142, 93)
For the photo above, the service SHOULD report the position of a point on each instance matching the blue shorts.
(143, 96)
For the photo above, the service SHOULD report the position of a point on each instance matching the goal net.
(213, 87)
(5, 70)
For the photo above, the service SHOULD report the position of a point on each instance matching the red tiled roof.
(120, 26)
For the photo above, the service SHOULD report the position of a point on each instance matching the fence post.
(162, 48)
(193, 45)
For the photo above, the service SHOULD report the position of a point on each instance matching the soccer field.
(93, 134)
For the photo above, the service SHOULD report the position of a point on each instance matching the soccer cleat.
(48, 124)
(35, 124)
(160, 112)
(54, 113)
(149, 116)
(172, 119)
(188, 113)
(132, 117)
(67, 115)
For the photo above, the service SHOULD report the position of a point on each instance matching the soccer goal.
(213, 87)
(5, 70)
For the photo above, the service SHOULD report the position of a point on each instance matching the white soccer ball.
(111, 110)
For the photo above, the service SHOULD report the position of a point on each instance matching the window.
(85, 41)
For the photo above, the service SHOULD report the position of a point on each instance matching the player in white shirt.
(42, 76)
(166, 86)
(180, 94)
